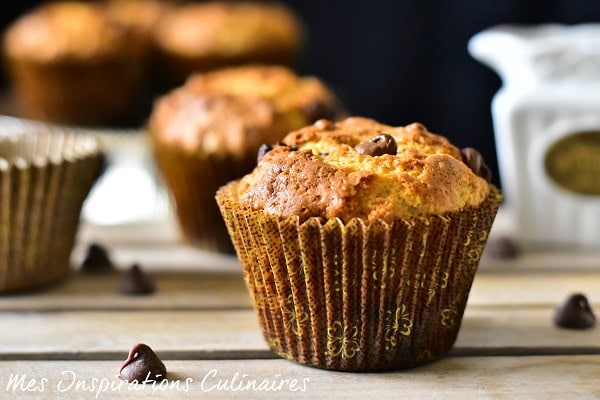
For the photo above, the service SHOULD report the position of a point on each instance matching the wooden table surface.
(68, 342)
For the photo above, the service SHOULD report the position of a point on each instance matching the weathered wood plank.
(546, 260)
(226, 290)
(159, 245)
(75, 333)
(222, 290)
(547, 288)
(557, 377)
(235, 334)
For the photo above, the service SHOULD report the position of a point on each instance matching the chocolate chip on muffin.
(475, 161)
(142, 365)
(262, 150)
(575, 313)
(378, 146)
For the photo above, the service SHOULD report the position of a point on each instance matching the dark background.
(406, 60)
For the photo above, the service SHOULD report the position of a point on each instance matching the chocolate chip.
(378, 146)
(136, 282)
(262, 150)
(575, 313)
(96, 259)
(293, 147)
(316, 110)
(473, 159)
(142, 365)
(503, 248)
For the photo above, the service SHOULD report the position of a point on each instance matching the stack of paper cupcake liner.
(44, 179)
(361, 295)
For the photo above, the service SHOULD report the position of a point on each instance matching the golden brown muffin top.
(228, 29)
(235, 110)
(65, 30)
(320, 172)
(141, 15)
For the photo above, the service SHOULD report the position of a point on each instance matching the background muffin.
(141, 18)
(208, 132)
(359, 242)
(69, 62)
(205, 36)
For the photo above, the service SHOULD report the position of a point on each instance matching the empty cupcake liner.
(44, 179)
(362, 295)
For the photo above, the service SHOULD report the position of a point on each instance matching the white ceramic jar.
(547, 128)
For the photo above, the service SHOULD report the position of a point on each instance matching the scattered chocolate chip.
(575, 313)
(293, 147)
(262, 150)
(96, 259)
(324, 155)
(142, 365)
(316, 110)
(378, 146)
(136, 282)
(503, 248)
(473, 159)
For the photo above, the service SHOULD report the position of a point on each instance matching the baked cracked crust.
(235, 110)
(318, 172)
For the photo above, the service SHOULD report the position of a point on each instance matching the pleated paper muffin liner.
(361, 295)
(44, 179)
(193, 180)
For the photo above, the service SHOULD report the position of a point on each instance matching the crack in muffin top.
(233, 110)
(321, 171)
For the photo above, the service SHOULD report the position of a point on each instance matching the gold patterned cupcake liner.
(362, 295)
(44, 179)
(193, 180)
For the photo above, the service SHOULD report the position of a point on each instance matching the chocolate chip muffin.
(360, 242)
(205, 36)
(362, 169)
(69, 62)
(208, 132)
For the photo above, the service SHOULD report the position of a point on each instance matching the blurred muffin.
(44, 179)
(205, 36)
(360, 241)
(208, 132)
(70, 62)
(140, 15)
(141, 18)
